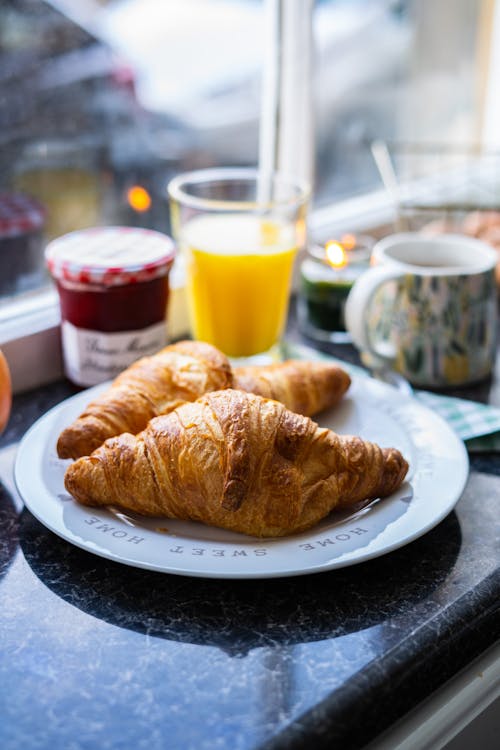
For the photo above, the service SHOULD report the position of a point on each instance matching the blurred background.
(102, 102)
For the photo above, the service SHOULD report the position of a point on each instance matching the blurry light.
(348, 241)
(138, 198)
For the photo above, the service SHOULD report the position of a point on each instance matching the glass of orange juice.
(239, 234)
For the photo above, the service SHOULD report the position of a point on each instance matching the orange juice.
(239, 270)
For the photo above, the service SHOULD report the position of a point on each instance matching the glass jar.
(22, 221)
(113, 290)
(327, 275)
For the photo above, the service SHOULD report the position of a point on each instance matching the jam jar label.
(91, 357)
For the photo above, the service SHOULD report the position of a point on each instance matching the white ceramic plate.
(438, 472)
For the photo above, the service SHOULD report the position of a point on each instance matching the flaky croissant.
(237, 461)
(302, 386)
(183, 372)
(149, 387)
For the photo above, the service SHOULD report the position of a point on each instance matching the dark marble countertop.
(96, 654)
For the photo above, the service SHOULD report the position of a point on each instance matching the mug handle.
(356, 312)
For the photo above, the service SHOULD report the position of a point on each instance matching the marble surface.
(96, 654)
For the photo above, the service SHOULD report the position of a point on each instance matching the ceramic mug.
(427, 308)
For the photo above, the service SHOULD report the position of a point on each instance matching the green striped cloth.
(477, 424)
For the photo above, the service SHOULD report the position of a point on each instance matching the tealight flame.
(139, 199)
(335, 254)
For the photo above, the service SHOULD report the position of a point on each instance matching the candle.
(326, 278)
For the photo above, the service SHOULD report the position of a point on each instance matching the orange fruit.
(5, 392)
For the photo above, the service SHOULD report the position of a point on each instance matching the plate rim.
(345, 560)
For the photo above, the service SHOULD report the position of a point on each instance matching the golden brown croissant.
(183, 372)
(238, 461)
(304, 387)
(151, 386)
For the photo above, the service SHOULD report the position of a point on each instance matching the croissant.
(302, 386)
(237, 461)
(183, 372)
(149, 387)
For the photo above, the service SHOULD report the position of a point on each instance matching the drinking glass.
(239, 233)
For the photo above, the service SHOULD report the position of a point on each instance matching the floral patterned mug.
(427, 308)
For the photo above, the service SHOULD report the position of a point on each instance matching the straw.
(270, 101)
(387, 173)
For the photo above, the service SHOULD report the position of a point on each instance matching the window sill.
(30, 340)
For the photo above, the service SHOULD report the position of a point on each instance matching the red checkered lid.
(19, 214)
(110, 256)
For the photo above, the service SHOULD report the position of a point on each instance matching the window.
(102, 101)
(411, 73)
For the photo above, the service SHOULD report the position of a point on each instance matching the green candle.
(324, 289)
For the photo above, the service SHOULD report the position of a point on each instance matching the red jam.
(116, 308)
(113, 290)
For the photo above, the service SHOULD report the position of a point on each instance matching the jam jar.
(22, 221)
(113, 290)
